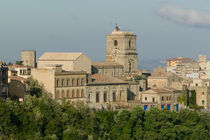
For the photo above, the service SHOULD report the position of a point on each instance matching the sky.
(164, 28)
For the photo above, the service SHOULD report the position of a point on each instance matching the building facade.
(69, 85)
(3, 80)
(69, 61)
(107, 69)
(28, 57)
(202, 63)
(183, 67)
(162, 98)
(106, 92)
(121, 48)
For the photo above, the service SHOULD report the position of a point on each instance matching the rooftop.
(179, 59)
(106, 64)
(117, 31)
(161, 90)
(100, 80)
(59, 56)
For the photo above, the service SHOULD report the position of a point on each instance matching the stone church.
(121, 55)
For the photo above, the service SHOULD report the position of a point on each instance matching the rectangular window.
(114, 96)
(153, 99)
(97, 97)
(162, 98)
(105, 97)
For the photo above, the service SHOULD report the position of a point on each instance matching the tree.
(19, 62)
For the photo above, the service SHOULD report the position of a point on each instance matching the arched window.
(67, 82)
(67, 94)
(82, 82)
(57, 83)
(62, 83)
(115, 43)
(63, 94)
(73, 82)
(114, 96)
(73, 94)
(57, 96)
(129, 44)
(82, 93)
(78, 93)
(78, 84)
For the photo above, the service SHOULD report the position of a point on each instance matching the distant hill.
(150, 64)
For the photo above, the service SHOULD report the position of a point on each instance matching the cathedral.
(121, 55)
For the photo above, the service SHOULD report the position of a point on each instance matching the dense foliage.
(40, 117)
(43, 118)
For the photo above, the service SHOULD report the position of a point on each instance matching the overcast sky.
(169, 28)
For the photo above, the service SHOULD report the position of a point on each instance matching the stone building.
(3, 80)
(106, 92)
(70, 85)
(161, 98)
(69, 61)
(121, 48)
(208, 70)
(29, 58)
(202, 89)
(19, 70)
(202, 95)
(162, 79)
(18, 87)
(107, 69)
(202, 63)
(184, 67)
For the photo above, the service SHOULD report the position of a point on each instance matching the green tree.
(19, 62)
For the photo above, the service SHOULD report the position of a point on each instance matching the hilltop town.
(114, 84)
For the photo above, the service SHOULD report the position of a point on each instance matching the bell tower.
(121, 48)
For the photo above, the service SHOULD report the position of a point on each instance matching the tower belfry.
(121, 48)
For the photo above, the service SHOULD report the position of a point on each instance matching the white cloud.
(184, 16)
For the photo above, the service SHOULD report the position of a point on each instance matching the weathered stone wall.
(29, 58)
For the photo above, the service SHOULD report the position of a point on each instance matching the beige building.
(106, 92)
(3, 80)
(202, 63)
(29, 58)
(184, 67)
(208, 70)
(69, 61)
(62, 84)
(162, 79)
(202, 95)
(161, 98)
(172, 62)
(107, 69)
(19, 70)
(121, 48)
(202, 89)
